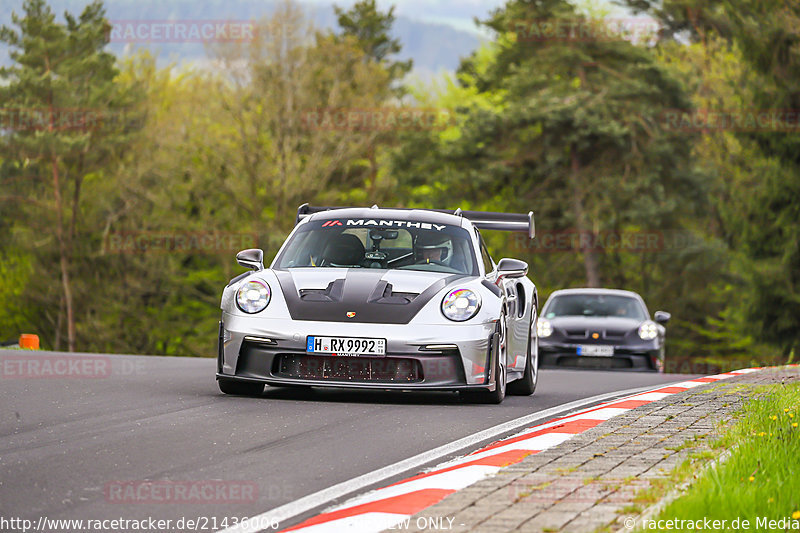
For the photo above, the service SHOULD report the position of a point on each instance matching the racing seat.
(344, 249)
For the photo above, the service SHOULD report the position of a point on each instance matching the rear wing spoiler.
(518, 222)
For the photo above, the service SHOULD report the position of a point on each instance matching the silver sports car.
(405, 299)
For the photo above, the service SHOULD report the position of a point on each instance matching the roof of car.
(588, 290)
(414, 215)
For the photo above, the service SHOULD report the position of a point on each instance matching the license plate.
(346, 346)
(595, 349)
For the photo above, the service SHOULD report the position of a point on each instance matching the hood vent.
(332, 293)
(383, 294)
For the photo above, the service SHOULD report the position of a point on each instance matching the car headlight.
(253, 296)
(648, 330)
(544, 328)
(460, 305)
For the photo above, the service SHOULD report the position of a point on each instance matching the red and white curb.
(394, 504)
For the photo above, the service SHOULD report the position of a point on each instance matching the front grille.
(595, 362)
(586, 334)
(352, 369)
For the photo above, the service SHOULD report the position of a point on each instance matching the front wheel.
(499, 393)
(240, 388)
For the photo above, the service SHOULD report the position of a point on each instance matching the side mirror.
(253, 258)
(512, 268)
(662, 317)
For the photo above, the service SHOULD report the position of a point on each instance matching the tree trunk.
(63, 248)
(63, 251)
(586, 236)
(59, 324)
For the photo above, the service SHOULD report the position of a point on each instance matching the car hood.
(359, 294)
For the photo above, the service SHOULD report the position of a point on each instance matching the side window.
(488, 265)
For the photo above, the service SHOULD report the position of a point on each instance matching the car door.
(517, 317)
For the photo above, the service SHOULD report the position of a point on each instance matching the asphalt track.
(67, 442)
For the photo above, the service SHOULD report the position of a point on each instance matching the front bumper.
(410, 363)
(643, 358)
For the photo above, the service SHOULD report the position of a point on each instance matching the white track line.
(533, 444)
(452, 480)
(651, 396)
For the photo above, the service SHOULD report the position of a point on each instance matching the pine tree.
(762, 222)
(581, 124)
(65, 120)
(371, 29)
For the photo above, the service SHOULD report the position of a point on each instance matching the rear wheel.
(526, 385)
(240, 388)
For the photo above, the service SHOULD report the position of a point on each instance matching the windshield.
(606, 305)
(384, 244)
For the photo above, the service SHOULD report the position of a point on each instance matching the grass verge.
(760, 481)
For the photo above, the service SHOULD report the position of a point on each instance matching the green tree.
(225, 152)
(275, 102)
(578, 133)
(371, 29)
(763, 229)
(768, 34)
(61, 97)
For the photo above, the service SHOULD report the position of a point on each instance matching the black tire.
(240, 388)
(499, 393)
(526, 385)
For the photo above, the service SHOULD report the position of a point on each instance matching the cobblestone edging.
(588, 483)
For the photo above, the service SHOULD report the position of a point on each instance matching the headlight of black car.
(544, 328)
(648, 330)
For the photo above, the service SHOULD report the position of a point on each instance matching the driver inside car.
(433, 248)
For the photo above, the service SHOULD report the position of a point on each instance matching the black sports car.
(601, 329)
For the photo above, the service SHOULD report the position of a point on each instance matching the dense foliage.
(117, 236)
